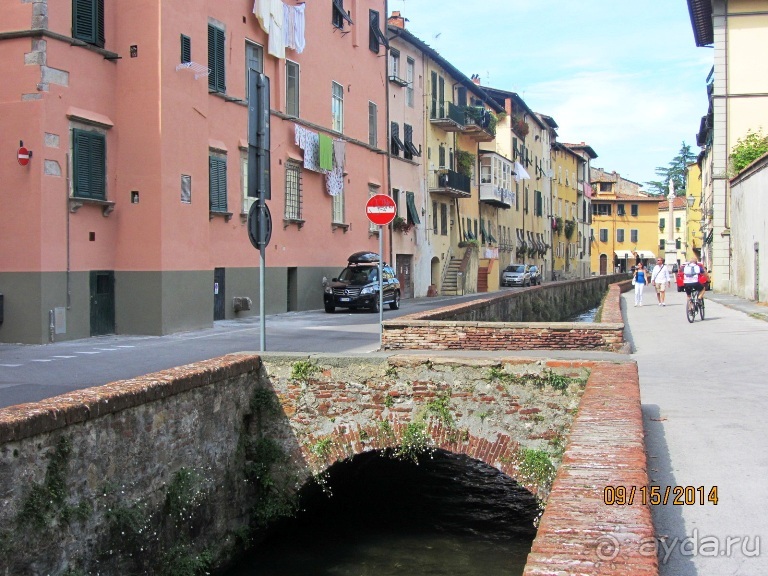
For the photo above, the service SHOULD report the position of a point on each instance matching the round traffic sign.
(23, 156)
(255, 235)
(380, 209)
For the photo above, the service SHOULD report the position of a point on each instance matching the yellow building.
(565, 243)
(624, 223)
(696, 224)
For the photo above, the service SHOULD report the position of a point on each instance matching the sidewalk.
(704, 397)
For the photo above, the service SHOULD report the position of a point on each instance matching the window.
(254, 58)
(633, 236)
(410, 65)
(89, 164)
(605, 186)
(441, 156)
(88, 21)
(633, 209)
(396, 144)
(291, 88)
(337, 207)
(525, 203)
(372, 191)
(339, 15)
(601, 209)
(620, 235)
(434, 217)
(620, 210)
(662, 223)
(394, 63)
(410, 149)
(216, 59)
(678, 244)
(375, 37)
(412, 211)
(603, 234)
(662, 244)
(433, 96)
(186, 49)
(337, 107)
(677, 223)
(217, 182)
(373, 117)
(443, 219)
(186, 189)
(537, 209)
(292, 191)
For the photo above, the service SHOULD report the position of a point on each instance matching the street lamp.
(691, 201)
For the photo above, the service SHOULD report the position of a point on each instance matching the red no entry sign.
(380, 209)
(23, 156)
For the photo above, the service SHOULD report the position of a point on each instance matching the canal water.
(448, 515)
(588, 316)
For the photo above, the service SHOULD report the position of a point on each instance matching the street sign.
(23, 156)
(253, 226)
(380, 209)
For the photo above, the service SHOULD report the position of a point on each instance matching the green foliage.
(570, 226)
(303, 370)
(182, 495)
(747, 150)
(414, 442)
(440, 410)
(389, 401)
(181, 560)
(465, 161)
(322, 448)
(264, 400)
(536, 466)
(386, 430)
(676, 171)
(391, 371)
(549, 378)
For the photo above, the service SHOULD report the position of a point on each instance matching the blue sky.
(624, 77)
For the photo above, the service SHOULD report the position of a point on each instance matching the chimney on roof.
(397, 20)
(475, 78)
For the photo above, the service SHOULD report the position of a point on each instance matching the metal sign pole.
(381, 285)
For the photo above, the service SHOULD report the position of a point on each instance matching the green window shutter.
(100, 23)
(89, 161)
(217, 182)
(216, 59)
(412, 212)
(186, 49)
(84, 20)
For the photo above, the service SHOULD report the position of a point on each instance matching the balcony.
(449, 183)
(478, 124)
(395, 79)
(449, 117)
(496, 195)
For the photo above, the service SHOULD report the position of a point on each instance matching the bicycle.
(695, 304)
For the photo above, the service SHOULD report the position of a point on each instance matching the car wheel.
(330, 308)
(395, 304)
(375, 306)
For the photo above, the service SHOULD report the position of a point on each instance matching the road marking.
(41, 360)
(78, 352)
(119, 346)
(65, 356)
(107, 349)
(10, 365)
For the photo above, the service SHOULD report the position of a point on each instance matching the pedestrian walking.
(661, 280)
(639, 280)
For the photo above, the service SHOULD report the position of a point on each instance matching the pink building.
(131, 215)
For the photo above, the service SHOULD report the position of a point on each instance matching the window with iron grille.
(603, 234)
(89, 164)
(373, 120)
(620, 235)
(633, 236)
(292, 191)
(337, 107)
(291, 88)
(88, 21)
(216, 60)
(217, 182)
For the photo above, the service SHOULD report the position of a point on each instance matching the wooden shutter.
(217, 168)
(186, 49)
(83, 18)
(100, 23)
(373, 38)
(89, 165)
(216, 59)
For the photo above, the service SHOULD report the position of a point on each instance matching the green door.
(102, 302)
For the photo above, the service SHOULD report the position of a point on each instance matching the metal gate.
(102, 289)
(218, 294)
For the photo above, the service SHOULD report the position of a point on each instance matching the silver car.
(516, 275)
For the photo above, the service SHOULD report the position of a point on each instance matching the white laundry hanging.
(276, 44)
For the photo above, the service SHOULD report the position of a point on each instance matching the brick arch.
(344, 443)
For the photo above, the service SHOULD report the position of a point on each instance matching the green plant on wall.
(465, 162)
(747, 150)
(570, 226)
(303, 370)
(535, 466)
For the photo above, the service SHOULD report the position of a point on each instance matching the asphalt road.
(30, 373)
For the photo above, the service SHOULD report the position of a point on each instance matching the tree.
(676, 172)
(747, 150)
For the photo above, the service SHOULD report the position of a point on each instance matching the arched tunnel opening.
(377, 515)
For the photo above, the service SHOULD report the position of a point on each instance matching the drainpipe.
(389, 151)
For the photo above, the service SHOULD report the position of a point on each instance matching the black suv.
(357, 285)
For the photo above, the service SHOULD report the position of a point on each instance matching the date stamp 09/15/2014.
(656, 495)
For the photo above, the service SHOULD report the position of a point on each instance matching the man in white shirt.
(661, 280)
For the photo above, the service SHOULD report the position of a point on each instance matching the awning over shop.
(622, 254)
(646, 254)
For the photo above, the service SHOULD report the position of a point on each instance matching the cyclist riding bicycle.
(691, 272)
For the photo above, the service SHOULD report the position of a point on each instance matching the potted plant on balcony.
(519, 126)
(401, 224)
(559, 225)
(465, 161)
(570, 226)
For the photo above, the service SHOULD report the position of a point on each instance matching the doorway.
(404, 263)
(603, 264)
(292, 303)
(102, 289)
(219, 312)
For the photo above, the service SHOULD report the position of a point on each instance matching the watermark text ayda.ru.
(609, 547)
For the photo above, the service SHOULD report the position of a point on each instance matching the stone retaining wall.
(476, 325)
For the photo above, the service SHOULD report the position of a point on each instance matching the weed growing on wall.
(322, 448)
(540, 380)
(303, 370)
(440, 410)
(182, 560)
(535, 466)
(263, 456)
(414, 442)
